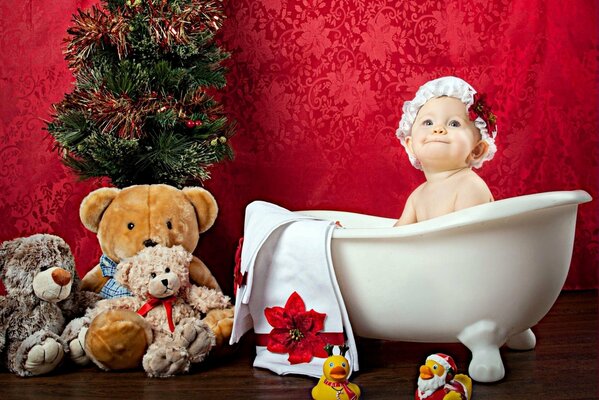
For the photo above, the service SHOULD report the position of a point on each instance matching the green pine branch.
(140, 111)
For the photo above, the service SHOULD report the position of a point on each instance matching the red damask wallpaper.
(316, 88)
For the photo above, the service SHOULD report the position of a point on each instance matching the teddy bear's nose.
(164, 282)
(149, 243)
(61, 276)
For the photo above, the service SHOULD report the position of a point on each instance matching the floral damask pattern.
(316, 88)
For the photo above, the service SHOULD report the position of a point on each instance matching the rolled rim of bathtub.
(500, 209)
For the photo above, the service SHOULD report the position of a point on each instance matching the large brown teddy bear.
(127, 221)
(158, 278)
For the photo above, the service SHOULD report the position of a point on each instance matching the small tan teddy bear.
(158, 278)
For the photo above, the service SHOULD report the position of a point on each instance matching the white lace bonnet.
(452, 87)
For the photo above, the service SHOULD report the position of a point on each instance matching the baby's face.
(443, 137)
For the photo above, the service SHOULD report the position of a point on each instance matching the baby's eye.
(455, 124)
(169, 224)
(167, 270)
(130, 225)
(427, 122)
(153, 274)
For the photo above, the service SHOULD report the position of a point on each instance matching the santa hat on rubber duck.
(438, 378)
(446, 362)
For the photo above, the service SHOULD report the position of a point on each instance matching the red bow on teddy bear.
(168, 307)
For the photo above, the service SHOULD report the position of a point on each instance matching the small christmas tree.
(142, 110)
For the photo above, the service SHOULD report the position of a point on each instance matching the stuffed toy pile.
(42, 288)
(158, 279)
(127, 221)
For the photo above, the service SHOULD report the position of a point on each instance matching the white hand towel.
(285, 253)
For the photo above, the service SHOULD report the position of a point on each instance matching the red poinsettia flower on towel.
(295, 331)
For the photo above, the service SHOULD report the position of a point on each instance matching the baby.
(446, 130)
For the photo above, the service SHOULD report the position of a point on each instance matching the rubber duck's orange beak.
(338, 373)
(425, 372)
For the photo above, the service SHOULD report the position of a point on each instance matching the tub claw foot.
(484, 338)
(525, 340)
(486, 366)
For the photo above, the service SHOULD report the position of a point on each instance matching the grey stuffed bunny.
(43, 293)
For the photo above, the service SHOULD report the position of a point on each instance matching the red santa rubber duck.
(438, 380)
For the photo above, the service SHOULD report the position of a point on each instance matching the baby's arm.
(408, 216)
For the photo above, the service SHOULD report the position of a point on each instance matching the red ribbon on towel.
(239, 279)
(334, 338)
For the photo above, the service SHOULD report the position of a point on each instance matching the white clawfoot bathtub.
(482, 276)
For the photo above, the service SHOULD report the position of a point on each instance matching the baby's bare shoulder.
(472, 180)
(473, 190)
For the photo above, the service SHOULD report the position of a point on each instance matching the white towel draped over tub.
(286, 255)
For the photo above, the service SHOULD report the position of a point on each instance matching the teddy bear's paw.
(43, 358)
(197, 337)
(77, 349)
(162, 362)
(74, 336)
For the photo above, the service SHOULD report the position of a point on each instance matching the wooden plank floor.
(563, 366)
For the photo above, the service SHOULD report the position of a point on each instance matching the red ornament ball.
(190, 124)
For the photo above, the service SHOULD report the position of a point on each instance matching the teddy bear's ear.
(93, 206)
(181, 256)
(204, 204)
(7, 250)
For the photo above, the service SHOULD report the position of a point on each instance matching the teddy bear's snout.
(61, 277)
(149, 243)
(164, 285)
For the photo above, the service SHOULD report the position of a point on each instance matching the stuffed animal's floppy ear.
(180, 255)
(7, 250)
(93, 206)
(204, 204)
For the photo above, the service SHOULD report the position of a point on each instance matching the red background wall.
(316, 87)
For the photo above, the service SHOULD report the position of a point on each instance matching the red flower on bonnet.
(479, 108)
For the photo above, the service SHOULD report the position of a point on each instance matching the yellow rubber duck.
(438, 380)
(333, 384)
